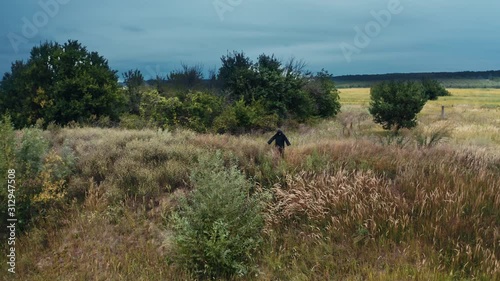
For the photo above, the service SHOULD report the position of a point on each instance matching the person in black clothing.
(279, 141)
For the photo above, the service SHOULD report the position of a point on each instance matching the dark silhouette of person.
(279, 141)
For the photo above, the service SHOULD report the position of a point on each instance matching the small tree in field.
(395, 105)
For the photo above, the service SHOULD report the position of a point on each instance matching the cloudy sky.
(342, 36)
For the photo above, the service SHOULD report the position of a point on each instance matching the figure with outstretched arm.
(279, 141)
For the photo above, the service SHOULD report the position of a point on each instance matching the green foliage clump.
(7, 144)
(433, 89)
(218, 226)
(154, 108)
(240, 118)
(201, 109)
(326, 97)
(7, 158)
(395, 104)
(44, 174)
(60, 83)
(134, 81)
(41, 173)
(186, 78)
(133, 122)
(194, 110)
(31, 152)
(283, 89)
(236, 75)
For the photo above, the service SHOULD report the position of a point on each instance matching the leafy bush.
(60, 83)
(218, 225)
(283, 88)
(7, 153)
(433, 89)
(241, 118)
(52, 179)
(7, 145)
(396, 104)
(326, 97)
(153, 107)
(133, 122)
(31, 152)
(41, 174)
(202, 109)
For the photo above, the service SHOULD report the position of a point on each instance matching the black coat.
(280, 139)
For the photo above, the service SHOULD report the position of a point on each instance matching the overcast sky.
(342, 36)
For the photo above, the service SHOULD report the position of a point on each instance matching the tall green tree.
(236, 76)
(282, 88)
(60, 83)
(16, 95)
(270, 85)
(324, 94)
(395, 104)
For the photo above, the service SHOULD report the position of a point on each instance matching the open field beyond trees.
(472, 116)
(348, 201)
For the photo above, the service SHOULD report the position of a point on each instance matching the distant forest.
(465, 79)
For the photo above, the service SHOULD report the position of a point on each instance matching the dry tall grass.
(346, 206)
(443, 200)
(474, 115)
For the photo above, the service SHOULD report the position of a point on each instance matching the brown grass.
(347, 204)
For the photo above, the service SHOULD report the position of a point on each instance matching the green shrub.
(31, 151)
(152, 107)
(395, 104)
(218, 226)
(226, 122)
(41, 175)
(433, 89)
(7, 153)
(133, 122)
(324, 94)
(241, 118)
(7, 145)
(202, 108)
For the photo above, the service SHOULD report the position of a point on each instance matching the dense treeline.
(66, 83)
(241, 96)
(465, 79)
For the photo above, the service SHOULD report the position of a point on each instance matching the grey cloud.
(429, 35)
(134, 29)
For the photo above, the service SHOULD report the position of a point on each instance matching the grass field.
(459, 97)
(473, 115)
(349, 202)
